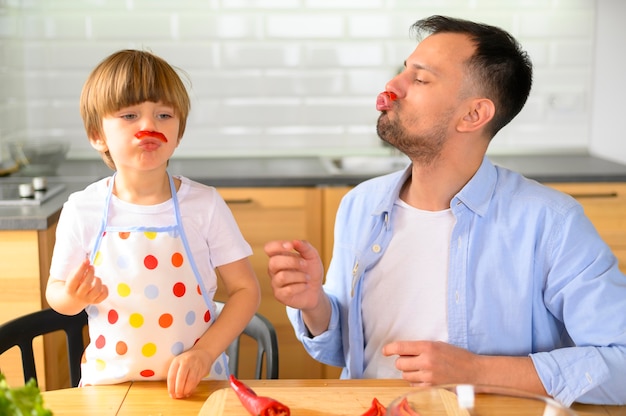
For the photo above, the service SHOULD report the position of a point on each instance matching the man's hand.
(427, 363)
(296, 273)
(431, 362)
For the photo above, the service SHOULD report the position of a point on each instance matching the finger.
(306, 250)
(403, 348)
(73, 282)
(172, 373)
(278, 247)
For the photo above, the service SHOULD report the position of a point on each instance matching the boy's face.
(140, 137)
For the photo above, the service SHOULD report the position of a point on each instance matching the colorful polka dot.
(150, 262)
(147, 373)
(198, 290)
(177, 348)
(100, 342)
(136, 320)
(124, 235)
(149, 349)
(121, 348)
(122, 262)
(100, 365)
(190, 318)
(177, 259)
(150, 235)
(179, 289)
(207, 316)
(112, 316)
(151, 292)
(123, 290)
(166, 320)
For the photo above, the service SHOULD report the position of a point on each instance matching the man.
(455, 270)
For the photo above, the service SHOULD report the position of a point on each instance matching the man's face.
(430, 93)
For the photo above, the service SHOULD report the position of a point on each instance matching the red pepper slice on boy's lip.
(384, 99)
(157, 135)
(257, 405)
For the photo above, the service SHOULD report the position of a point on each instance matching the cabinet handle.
(594, 195)
(240, 201)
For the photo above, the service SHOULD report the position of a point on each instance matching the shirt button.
(376, 248)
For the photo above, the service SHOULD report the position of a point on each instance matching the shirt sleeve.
(587, 292)
(327, 346)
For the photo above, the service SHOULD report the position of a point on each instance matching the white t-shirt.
(404, 294)
(212, 232)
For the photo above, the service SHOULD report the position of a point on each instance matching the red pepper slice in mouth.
(257, 405)
(156, 134)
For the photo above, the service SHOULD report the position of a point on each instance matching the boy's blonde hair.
(129, 77)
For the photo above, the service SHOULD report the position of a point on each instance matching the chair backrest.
(262, 331)
(23, 330)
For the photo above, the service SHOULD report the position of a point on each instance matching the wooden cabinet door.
(605, 205)
(265, 214)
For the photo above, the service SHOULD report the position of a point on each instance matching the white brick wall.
(281, 76)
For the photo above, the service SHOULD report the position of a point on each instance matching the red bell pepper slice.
(377, 409)
(257, 405)
(403, 409)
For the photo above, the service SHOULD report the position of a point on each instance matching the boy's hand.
(84, 286)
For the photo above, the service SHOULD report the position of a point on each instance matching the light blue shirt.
(528, 276)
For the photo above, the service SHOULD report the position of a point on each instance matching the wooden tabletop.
(151, 398)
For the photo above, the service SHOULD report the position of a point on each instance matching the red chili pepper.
(377, 409)
(257, 405)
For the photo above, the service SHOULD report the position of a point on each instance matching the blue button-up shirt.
(528, 275)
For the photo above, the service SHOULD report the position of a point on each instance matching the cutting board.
(306, 401)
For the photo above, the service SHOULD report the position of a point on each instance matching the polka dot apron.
(157, 305)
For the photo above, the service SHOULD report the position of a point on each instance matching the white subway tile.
(557, 24)
(260, 54)
(568, 53)
(131, 25)
(370, 26)
(300, 26)
(260, 4)
(344, 54)
(344, 4)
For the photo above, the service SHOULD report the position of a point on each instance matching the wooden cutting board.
(306, 401)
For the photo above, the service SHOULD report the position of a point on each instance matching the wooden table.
(151, 398)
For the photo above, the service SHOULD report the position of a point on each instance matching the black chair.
(262, 331)
(21, 331)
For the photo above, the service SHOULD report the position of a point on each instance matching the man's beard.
(421, 149)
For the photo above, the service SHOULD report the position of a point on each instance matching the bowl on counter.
(474, 400)
(39, 158)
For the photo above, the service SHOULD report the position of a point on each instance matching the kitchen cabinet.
(605, 205)
(25, 257)
(265, 214)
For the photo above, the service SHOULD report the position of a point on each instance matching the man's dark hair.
(499, 66)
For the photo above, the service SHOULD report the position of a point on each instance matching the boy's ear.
(479, 113)
(97, 143)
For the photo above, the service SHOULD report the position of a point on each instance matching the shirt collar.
(476, 194)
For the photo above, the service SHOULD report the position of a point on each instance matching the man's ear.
(480, 112)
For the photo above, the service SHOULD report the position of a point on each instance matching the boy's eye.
(164, 116)
(128, 116)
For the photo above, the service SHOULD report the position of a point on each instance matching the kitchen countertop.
(286, 172)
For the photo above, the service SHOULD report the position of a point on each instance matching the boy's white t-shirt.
(212, 232)
(405, 293)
